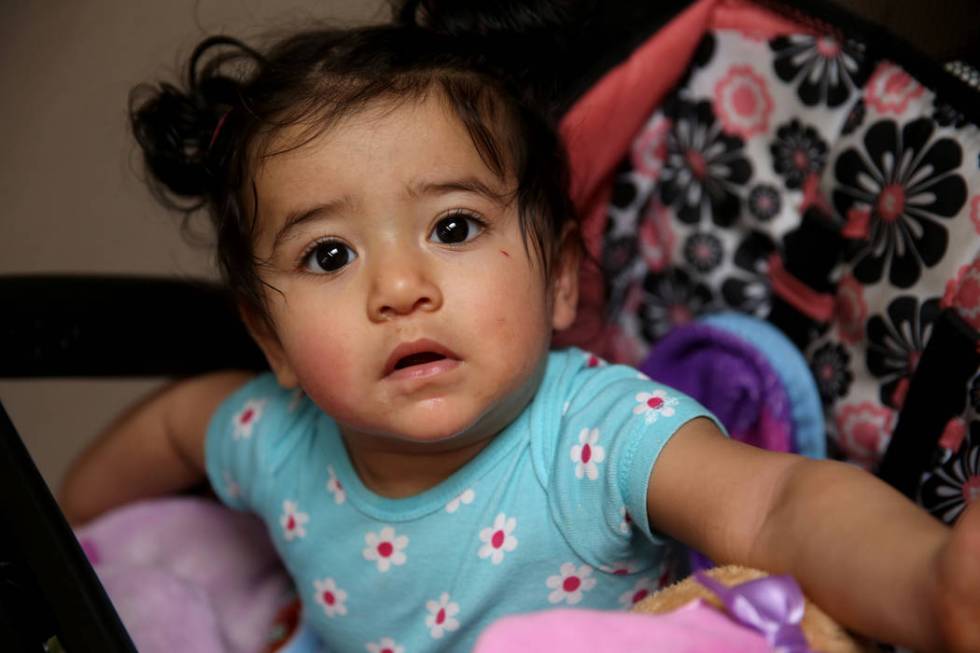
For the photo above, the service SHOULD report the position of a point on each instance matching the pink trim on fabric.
(817, 306)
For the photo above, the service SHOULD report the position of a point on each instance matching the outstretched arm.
(154, 448)
(862, 551)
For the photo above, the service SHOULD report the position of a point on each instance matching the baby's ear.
(262, 331)
(564, 279)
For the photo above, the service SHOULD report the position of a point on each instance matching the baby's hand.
(958, 585)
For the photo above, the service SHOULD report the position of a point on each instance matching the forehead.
(389, 143)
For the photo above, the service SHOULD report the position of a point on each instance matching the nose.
(402, 285)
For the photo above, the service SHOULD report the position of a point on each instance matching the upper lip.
(416, 347)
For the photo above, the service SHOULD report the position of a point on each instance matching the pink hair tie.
(217, 128)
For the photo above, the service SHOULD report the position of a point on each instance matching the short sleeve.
(614, 424)
(251, 435)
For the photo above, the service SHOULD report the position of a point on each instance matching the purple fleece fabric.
(728, 376)
(187, 574)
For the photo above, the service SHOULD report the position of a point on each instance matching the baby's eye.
(328, 256)
(456, 228)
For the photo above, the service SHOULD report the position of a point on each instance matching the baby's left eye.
(456, 228)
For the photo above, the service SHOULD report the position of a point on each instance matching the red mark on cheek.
(504, 252)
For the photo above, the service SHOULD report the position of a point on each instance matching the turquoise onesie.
(552, 513)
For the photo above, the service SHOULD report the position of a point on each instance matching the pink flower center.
(497, 540)
(621, 572)
(593, 361)
(891, 202)
(914, 357)
(248, 415)
(743, 100)
(571, 584)
(329, 598)
(640, 595)
(696, 162)
(440, 616)
(801, 160)
(586, 453)
(290, 523)
(385, 549)
(827, 371)
(897, 82)
(828, 48)
(679, 314)
(387, 650)
(655, 402)
(971, 489)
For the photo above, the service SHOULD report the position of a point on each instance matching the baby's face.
(408, 306)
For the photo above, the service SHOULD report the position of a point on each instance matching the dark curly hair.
(201, 140)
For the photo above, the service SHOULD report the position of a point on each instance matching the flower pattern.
(953, 485)
(797, 153)
(498, 539)
(245, 420)
(863, 432)
(570, 583)
(705, 167)
(897, 191)
(335, 487)
(385, 645)
(963, 293)
(653, 405)
(824, 69)
(385, 548)
(703, 251)
(587, 454)
(742, 102)
(975, 211)
(643, 588)
(764, 202)
(748, 289)
(442, 616)
(854, 119)
(293, 521)
(890, 89)
(671, 299)
(830, 365)
(895, 344)
(331, 598)
(463, 498)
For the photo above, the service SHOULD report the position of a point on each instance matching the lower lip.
(425, 370)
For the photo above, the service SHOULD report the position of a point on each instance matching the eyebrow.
(296, 219)
(464, 184)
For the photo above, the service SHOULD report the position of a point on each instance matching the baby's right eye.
(328, 256)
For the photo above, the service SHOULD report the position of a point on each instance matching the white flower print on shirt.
(570, 583)
(653, 405)
(386, 548)
(498, 539)
(642, 589)
(335, 487)
(293, 521)
(441, 617)
(245, 419)
(591, 360)
(331, 598)
(385, 645)
(625, 521)
(619, 568)
(466, 497)
(587, 454)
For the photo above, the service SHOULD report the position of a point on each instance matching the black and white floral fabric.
(754, 134)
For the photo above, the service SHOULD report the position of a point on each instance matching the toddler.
(393, 219)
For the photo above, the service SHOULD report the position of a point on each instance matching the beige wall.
(69, 175)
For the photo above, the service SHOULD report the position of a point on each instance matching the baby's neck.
(399, 472)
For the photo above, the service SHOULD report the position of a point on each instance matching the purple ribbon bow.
(772, 606)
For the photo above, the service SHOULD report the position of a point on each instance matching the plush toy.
(760, 601)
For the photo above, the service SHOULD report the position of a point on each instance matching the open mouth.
(420, 358)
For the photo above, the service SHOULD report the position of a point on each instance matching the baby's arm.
(156, 447)
(861, 550)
